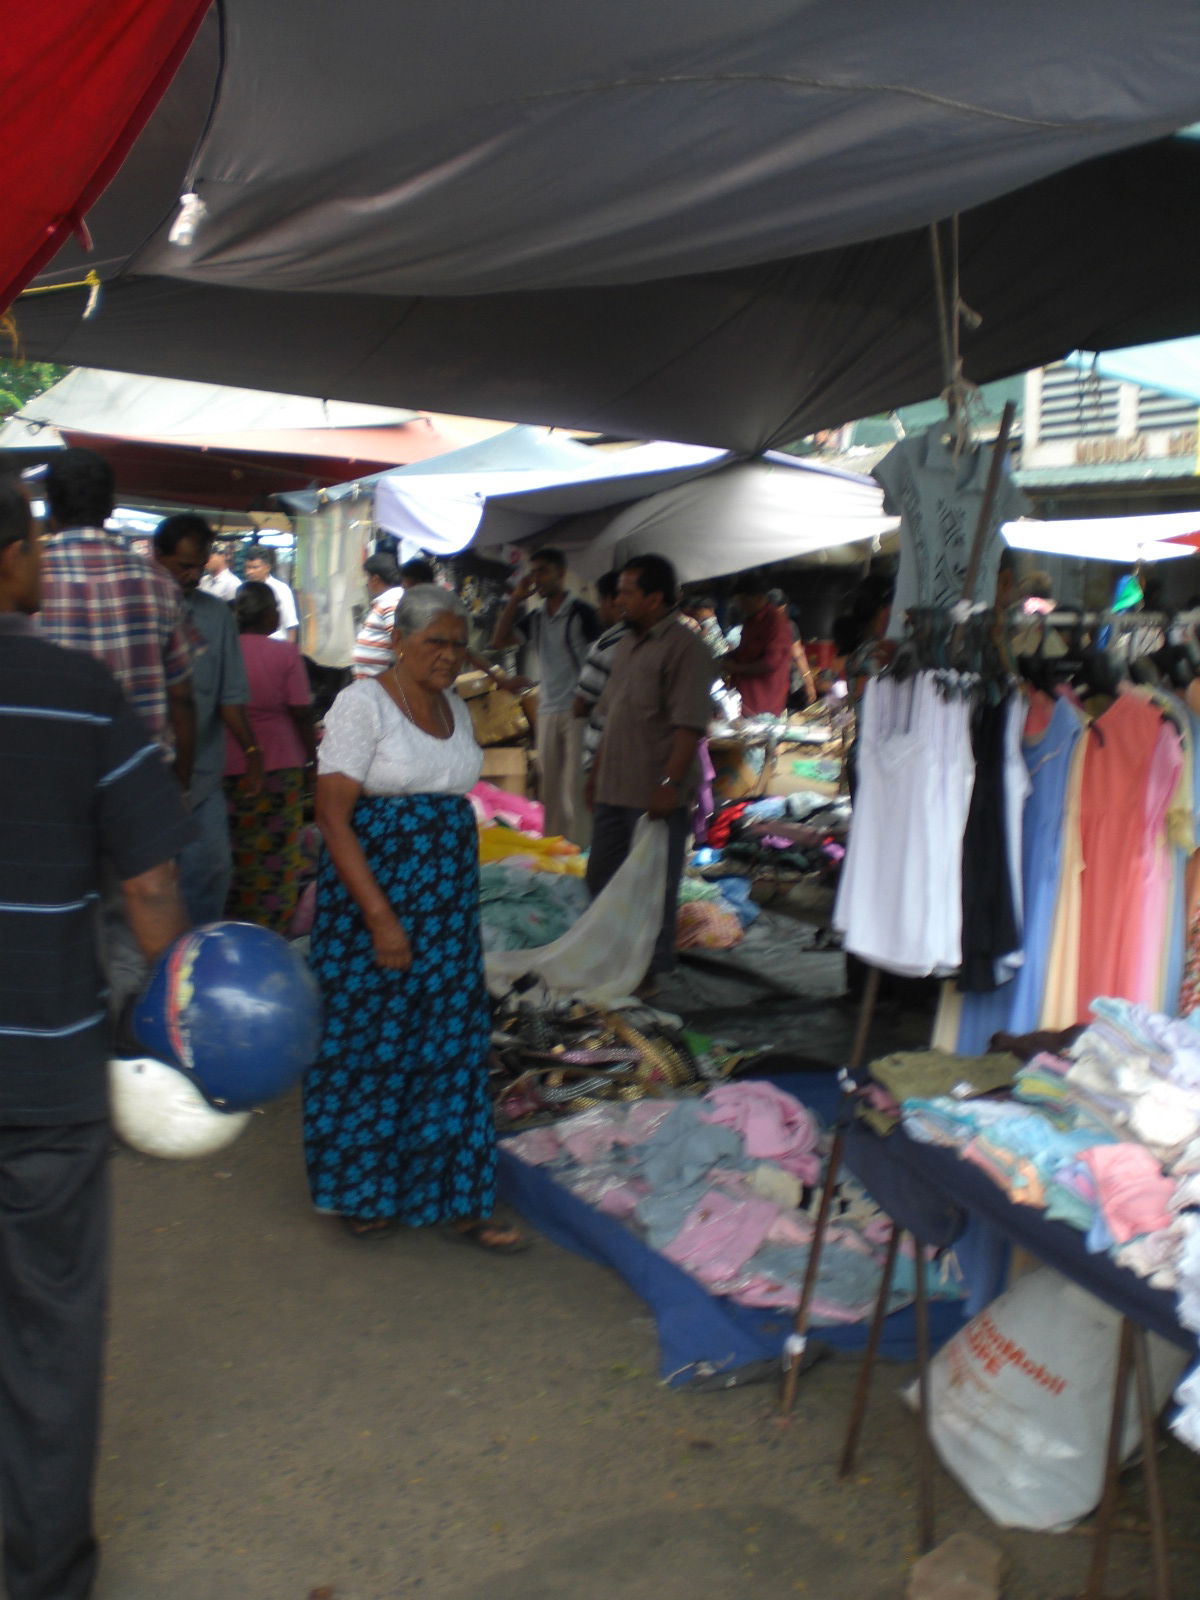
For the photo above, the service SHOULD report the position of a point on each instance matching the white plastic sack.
(1021, 1400)
(603, 957)
(157, 1110)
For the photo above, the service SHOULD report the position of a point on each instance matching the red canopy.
(81, 79)
(232, 472)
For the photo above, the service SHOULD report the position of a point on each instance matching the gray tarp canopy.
(683, 219)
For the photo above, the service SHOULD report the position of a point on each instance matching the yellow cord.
(92, 281)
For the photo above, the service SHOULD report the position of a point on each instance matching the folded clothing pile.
(719, 1186)
(499, 843)
(713, 916)
(522, 909)
(1104, 1137)
(491, 804)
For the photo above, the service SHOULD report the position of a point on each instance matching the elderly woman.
(398, 1125)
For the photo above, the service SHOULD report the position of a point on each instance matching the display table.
(930, 1191)
(890, 1167)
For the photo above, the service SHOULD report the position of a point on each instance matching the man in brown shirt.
(656, 709)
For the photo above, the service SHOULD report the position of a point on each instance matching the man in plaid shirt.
(101, 598)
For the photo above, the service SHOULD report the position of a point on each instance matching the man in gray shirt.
(182, 545)
(562, 630)
(656, 709)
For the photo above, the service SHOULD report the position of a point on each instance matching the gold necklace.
(443, 716)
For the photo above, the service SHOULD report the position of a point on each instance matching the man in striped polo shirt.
(386, 583)
(81, 781)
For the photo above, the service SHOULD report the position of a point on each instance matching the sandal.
(486, 1233)
(368, 1228)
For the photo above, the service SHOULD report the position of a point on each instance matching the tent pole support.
(795, 1351)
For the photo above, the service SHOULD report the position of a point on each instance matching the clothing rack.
(797, 1342)
(1110, 619)
(795, 1348)
(1132, 1364)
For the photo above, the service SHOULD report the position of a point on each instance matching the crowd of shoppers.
(158, 754)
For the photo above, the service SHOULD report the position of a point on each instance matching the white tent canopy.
(707, 511)
(1123, 539)
(445, 511)
(89, 400)
(749, 514)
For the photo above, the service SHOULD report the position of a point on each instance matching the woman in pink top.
(265, 825)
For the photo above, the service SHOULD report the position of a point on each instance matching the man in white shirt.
(218, 579)
(260, 568)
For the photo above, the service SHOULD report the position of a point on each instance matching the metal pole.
(1154, 1496)
(925, 1445)
(1112, 1466)
(866, 1371)
(866, 1015)
(798, 1339)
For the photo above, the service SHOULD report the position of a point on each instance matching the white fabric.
(443, 511)
(330, 550)
(1185, 1425)
(222, 584)
(674, 500)
(1018, 786)
(604, 955)
(1123, 539)
(782, 509)
(1188, 1270)
(92, 400)
(899, 903)
(368, 738)
(286, 601)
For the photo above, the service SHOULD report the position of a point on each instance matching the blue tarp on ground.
(698, 1332)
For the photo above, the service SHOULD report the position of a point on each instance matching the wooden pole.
(797, 1340)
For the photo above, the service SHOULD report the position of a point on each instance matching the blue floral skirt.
(397, 1118)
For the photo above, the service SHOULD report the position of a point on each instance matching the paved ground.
(290, 1411)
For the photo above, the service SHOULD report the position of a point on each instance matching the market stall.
(558, 237)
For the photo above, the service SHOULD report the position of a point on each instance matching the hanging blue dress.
(1016, 1006)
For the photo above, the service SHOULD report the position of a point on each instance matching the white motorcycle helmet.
(159, 1111)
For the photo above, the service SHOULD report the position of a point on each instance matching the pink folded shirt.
(720, 1235)
(1133, 1193)
(774, 1126)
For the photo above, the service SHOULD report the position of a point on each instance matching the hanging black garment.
(989, 919)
